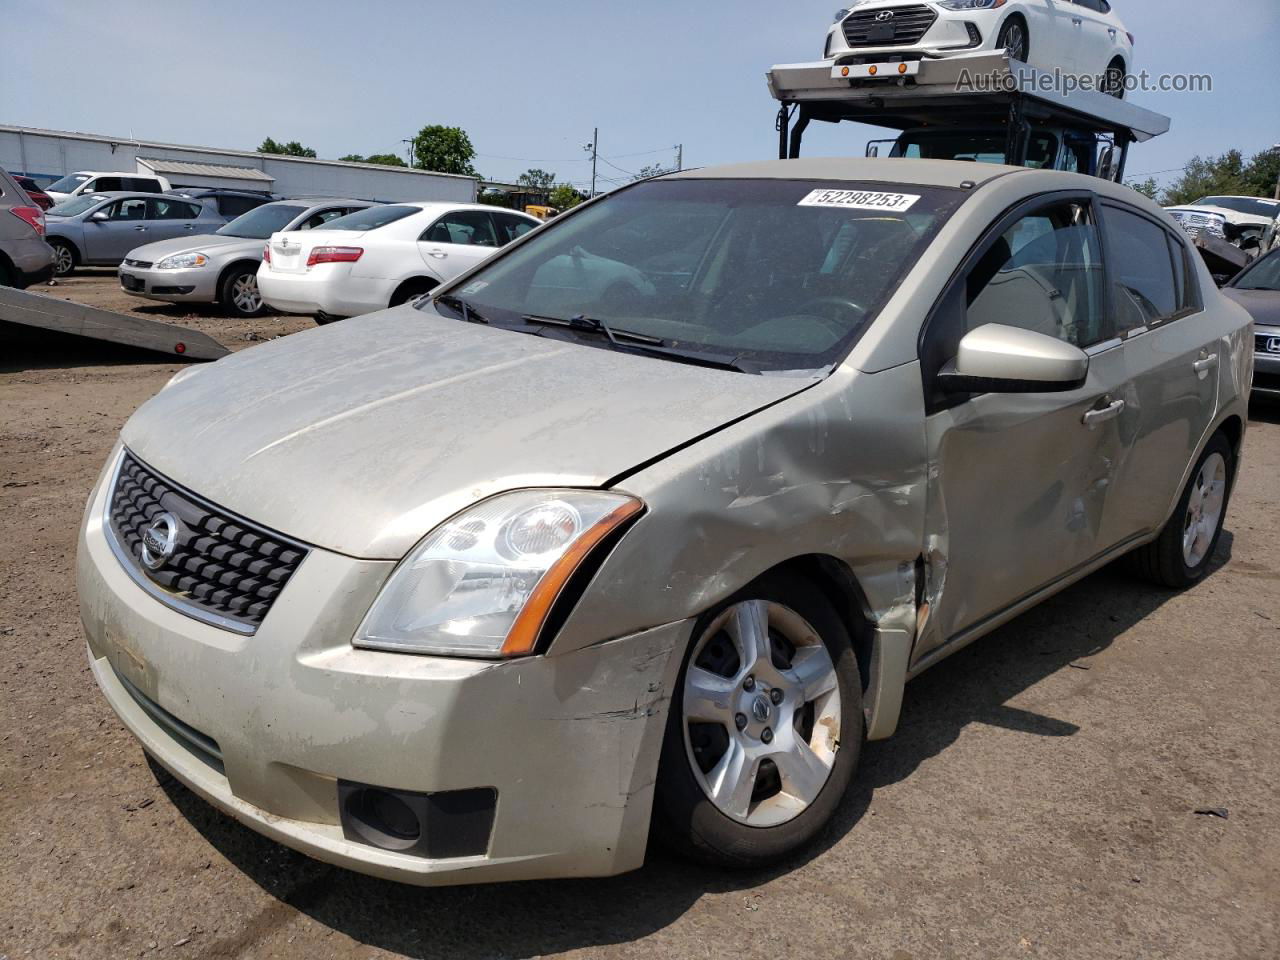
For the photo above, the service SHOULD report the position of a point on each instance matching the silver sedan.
(222, 266)
(649, 518)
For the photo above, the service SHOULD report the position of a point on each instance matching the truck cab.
(1048, 147)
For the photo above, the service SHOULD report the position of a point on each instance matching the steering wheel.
(815, 308)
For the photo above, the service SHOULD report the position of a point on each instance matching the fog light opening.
(383, 819)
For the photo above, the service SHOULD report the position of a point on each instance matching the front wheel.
(764, 730)
(1181, 555)
(239, 294)
(1015, 39)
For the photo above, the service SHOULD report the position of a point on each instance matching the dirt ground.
(1038, 800)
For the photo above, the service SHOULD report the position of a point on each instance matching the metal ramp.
(30, 313)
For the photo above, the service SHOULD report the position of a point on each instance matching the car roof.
(113, 173)
(939, 173)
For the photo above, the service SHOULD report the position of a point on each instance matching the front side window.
(784, 274)
(68, 183)
(471, 228)
(1144, 290)
(76, 205)
(261, 222)
(1043, 274)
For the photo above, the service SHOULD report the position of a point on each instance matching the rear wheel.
(239, 293)
(1113, 80)
(409, 290)
(1015, 39)
(765, 728)
(64, 257)
(1181, 555)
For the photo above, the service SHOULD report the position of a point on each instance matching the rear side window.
(173, 210)
(1043, 274)
(109, 183)
(140, 184)
(235, 206)
(511, 226)
(1144, 289)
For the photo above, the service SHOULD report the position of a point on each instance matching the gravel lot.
(1038, 800)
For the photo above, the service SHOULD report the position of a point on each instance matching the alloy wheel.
(1204, 510)
(1015, 42)
(65, 260)
(761, 713)
(245, 295)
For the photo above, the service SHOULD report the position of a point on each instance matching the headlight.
(970, 4)
(482, 583)
(182, 260)
(845, 11)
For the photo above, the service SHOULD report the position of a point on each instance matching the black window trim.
(1188, 267)
(935, 400)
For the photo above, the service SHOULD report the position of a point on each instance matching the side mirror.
(873, 150)
(99, 215)
(996, 358)
(1106, 164)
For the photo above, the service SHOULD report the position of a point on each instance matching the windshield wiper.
(632, 342)
(596, 325)
(469, 313)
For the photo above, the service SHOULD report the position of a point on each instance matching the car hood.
(1232, 216)
(362, 436)
(204, 243)
(1263, 305)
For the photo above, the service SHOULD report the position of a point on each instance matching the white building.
(47, 155)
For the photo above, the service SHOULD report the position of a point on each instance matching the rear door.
(1020, 483)
(125, 228)
(1097, 36)
(1174, 356)
(1056, 29)
(168, 218)
(458, 241)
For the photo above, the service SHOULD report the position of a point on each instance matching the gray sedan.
(1257, 289)
(478, 588)
(223, 265)
(100, 229)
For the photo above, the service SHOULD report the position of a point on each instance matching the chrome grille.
(140, 264)
(1262, 343)
(909, 25)
(224, 569)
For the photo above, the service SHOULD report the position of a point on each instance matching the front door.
(1019, 482)
(457, 242)
(124, 228)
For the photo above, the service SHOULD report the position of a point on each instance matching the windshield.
(782, 273)
(1263, 275)
(979, 147)
(371, 218)
(75, 206)
(261, 222)
(1247, 205)
(67, 183)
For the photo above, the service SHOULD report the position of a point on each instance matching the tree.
(445, 150)
(385, 159)
(653, 170)
(1147, 187)
(291, 149)
(564, 197)
(537, 181)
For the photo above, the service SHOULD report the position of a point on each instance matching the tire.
(408, 290)
(324, 318)
(1114, 79)
(1176, 559)
(7, 275)
(238, 293)
(771, 815)
(1015, 38)
(65, 258)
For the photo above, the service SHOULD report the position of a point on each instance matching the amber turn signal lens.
(902, 68)
(844, 71)
(873, 70)
(523, 636)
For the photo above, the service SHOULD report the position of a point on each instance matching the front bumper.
(569, 743)
(197, 285)
(950, 34)
(1266, 368)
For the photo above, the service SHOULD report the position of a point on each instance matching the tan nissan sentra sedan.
(652, 515)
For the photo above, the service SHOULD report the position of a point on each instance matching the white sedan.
(382, 256)
(1083, 37)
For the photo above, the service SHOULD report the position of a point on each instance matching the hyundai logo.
(159, 540)
(884, 16)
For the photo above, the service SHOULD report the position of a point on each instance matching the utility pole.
(592, 146)
(408, 150)
(679, 157)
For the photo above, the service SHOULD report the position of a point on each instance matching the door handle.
(1205, 364)
(1112, 31)
(1077, 21)
(438, 254)
(1102, 414)
(141, 229)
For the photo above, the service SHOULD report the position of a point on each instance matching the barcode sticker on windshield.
(860, 200)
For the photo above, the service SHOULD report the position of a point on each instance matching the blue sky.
(529, 81)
